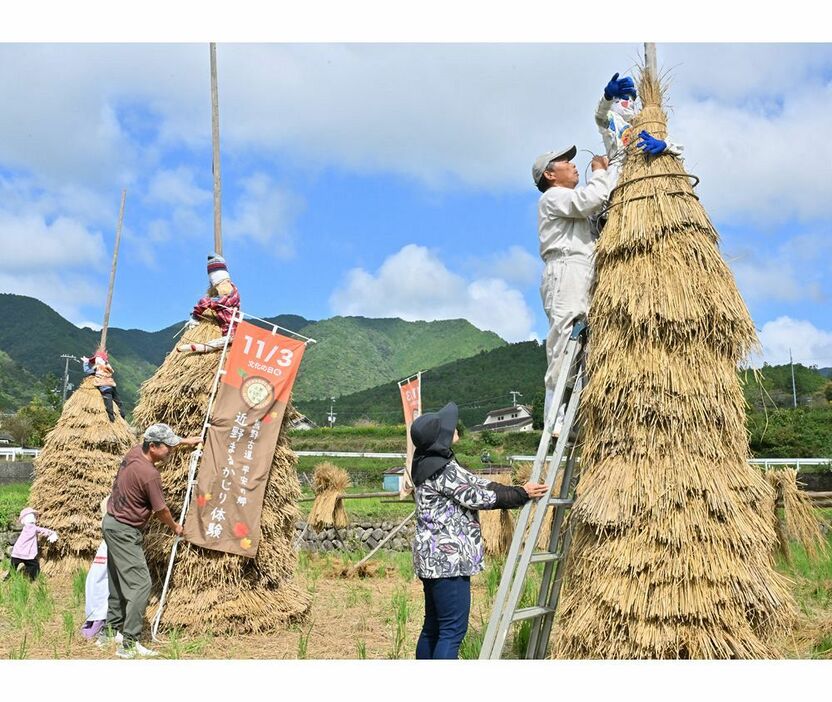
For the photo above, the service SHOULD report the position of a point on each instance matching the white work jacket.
(563, 216)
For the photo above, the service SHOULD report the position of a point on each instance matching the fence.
(13, 453)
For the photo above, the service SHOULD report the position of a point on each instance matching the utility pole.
(331, 417)
(514, 395)
(794, 387)
(66, 374)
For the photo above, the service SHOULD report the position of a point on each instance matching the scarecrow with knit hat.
(221, 303)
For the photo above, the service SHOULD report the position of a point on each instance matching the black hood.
(432, 435)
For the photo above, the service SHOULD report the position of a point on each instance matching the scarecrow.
(25, 550)
(221, 303)
(98, 366)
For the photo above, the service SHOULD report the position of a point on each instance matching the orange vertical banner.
(239, 445)
(411, 392)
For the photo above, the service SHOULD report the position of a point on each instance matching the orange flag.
(239, 445)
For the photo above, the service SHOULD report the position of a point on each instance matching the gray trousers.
(127, 577)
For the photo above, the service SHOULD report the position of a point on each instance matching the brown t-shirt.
(137, 490)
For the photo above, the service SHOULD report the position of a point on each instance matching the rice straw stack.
(211, 590)
(521, 477)
(73, 473)
(497, 526)
(329, 483)
(672, 549)
(799, 522)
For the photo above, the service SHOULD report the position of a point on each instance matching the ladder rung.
(565, 501)
(544, 557)
(531, 613)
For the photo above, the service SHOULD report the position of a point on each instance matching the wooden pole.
(215, 139)
(650, 59)
(103, 343)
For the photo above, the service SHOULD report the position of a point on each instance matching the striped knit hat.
(217, 270)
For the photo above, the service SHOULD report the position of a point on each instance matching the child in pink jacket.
(25, 550)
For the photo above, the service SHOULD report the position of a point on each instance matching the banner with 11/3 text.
(240, 442)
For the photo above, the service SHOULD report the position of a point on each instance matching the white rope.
(196, 454)
(274, 326)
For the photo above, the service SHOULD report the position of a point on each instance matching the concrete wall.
(16, 472)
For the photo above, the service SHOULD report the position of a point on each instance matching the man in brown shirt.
(136, 496)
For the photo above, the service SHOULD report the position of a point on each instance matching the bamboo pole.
(650, 59)
(103, 343)
(386, 539)
(215, 140)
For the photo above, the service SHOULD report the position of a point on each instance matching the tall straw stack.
(209, 589)
(671, 553)
(497, 525)
(329, 483)
(798, 522)
(73, 473)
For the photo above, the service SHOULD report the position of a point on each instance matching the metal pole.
(650, 59)
(103, 343)
(66, 378)
(794, 387)
(215, 139)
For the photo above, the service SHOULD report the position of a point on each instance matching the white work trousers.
(565, 294)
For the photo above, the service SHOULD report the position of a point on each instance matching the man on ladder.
(567, 246)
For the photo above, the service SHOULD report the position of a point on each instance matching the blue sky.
(389, 179)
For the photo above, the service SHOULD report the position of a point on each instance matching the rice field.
(373, 617)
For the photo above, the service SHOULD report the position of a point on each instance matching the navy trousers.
(447, 605)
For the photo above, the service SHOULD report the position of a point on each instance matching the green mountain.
(352, 353)
(477, 384)
(483, 383)
(355, 353)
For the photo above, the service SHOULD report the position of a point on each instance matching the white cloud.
(414, 284)
(264, 212)
(515, 265)
(29, 242)
(177, 187)
(808, 344)
(95, 326)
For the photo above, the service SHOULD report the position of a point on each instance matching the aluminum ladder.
(522, 552)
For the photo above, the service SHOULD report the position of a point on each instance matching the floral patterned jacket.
(448, 540)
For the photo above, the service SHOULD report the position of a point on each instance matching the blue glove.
(650, 145)
(620, 88)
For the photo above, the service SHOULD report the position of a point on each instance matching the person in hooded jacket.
(448, 546)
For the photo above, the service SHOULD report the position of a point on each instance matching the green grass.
(178, 646)
(401, 615)
(27, 604)
(13, 498)
(79, 587)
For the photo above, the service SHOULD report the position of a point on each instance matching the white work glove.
(192, 323)
(52, 538)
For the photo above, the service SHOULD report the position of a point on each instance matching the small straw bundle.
(799, 522)
(73, 473)
(210, 590)
(497, 525)
(671, 552)
(329, 483)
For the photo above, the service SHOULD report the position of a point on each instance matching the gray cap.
(161, 434)
(543, 160)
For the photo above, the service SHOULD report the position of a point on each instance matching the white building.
(516, 418)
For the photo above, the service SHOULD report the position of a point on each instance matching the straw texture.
(798, 522)
(497, 525)
(73, 473)
(329, 483)
(672, 539)
(210, 590)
